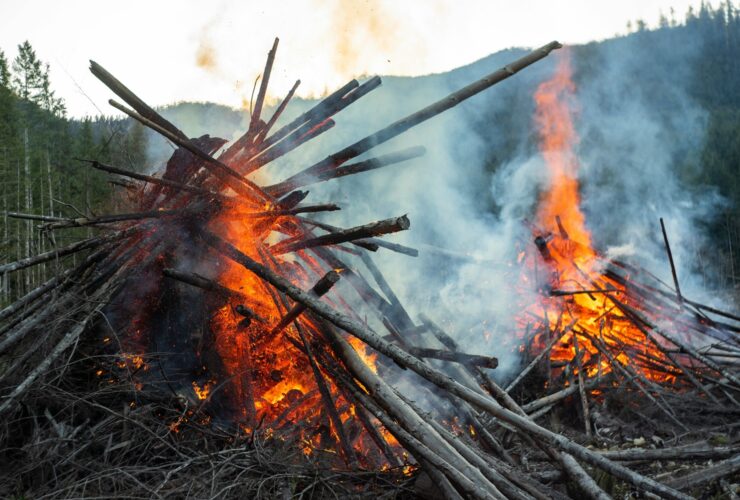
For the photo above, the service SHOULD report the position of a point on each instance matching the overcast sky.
(175, 50)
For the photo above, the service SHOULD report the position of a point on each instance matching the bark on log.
(155, 180)
(354, 168)
(708, 474)
(278, 112)
(386, 226)
(133, 100)
(457, 357)
(229, 176)
(542, 354)
(319, 289)
(365, 241)
(257, 111)
(68, 250)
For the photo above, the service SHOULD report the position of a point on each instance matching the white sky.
(154, 46)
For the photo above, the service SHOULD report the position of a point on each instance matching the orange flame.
(565, 251)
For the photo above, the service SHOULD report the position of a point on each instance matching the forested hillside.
(38, 170)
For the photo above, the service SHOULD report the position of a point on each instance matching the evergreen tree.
(4, 71)
(28, 80)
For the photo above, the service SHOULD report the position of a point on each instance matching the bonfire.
(220, 329)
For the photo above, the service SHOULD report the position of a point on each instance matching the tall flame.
(554, 119)
(565, 252)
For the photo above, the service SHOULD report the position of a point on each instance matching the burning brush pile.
(219, 341)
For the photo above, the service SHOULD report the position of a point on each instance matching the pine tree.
(4, 71)
(28, 75)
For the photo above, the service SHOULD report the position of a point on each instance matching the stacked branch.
(157, 267)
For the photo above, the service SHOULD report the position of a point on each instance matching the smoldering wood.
(408, 419)
(318, 290)
(321, 207)
(225, 173)
(542, 354)
(365, 241)
(347, 450)
(457, 357)
(154, 180)
(386, 226)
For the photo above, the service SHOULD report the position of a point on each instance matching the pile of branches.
(69, 432)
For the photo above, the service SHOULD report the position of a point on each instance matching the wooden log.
(399, 312)
(113, 218)
(585, 483)
(542, 354)
(278, 112)
(50, 285)
(477, 399)
(319, 289)
(257, 111)
(124, 183)
(707, 474)
(457, 357)
(632, 377)
(404, 124)
(226, 174)
(351, 169)
(318, 113)
(502, 483)
(95, 305)
(386, 226)
(670, 260)
(680, 453)
(419, 449)
(349, 453)
(686, 348)
(42, 218)
(322, 207)
(365, 241)
(410, 421)
(296, 139)
(133, 100)
(582, 389)
(154, 180)
(68, 250)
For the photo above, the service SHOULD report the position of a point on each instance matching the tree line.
(39, 170)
